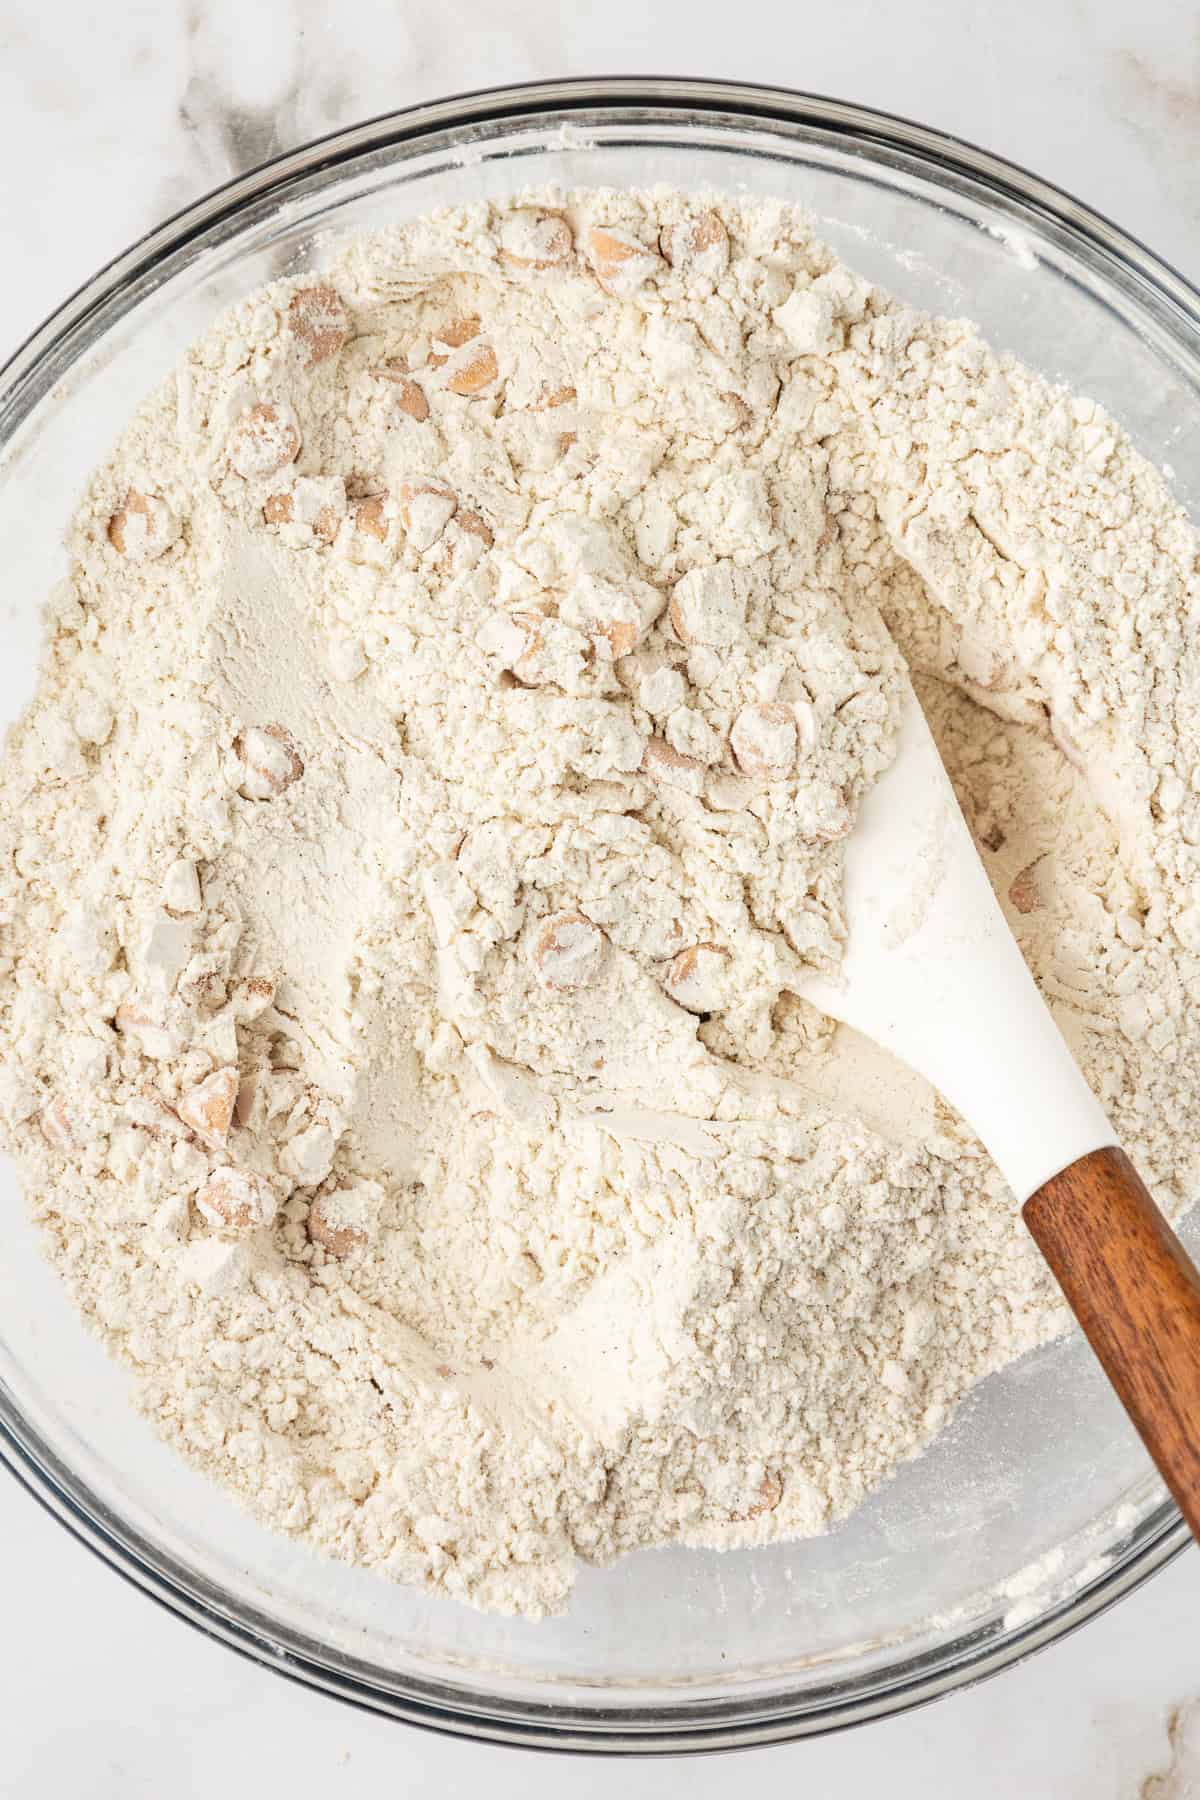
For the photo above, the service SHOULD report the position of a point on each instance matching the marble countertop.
(118, 117)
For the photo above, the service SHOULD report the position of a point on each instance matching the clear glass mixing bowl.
(1037, 1508)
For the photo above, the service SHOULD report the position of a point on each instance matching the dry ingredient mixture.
(469, 669)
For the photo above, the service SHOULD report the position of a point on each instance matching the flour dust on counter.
(470, 668)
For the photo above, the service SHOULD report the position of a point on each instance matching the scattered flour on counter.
(471, 665)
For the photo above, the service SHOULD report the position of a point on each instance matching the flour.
(469, 671)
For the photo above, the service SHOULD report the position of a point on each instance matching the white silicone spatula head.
(932, 973)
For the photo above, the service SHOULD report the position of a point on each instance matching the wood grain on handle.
(1136, 1293)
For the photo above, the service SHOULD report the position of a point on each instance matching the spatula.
(933, 974)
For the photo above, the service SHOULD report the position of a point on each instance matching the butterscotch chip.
(410, 398)
(143, 528)
(708, 233)
(410, 395)
(698, 977)
(270, 762)
(371, 516)
(59, 1126)
(472, 370)
(306, 504)
(235, 1202)
(770, 1493)
(660, 761)
(615, 613)
(453, 336)
(699, 246)
(620, 260)
(764, 741)
(1025, 892)
(320, 319)
(531, 239)
(569, 952)
(264, 440)
(620, 635)
(277, 509)
(208, 1108)
(478, 527)
(335, 1233)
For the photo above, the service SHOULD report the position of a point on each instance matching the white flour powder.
(470, 665)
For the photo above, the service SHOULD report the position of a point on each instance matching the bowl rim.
(659, 1729)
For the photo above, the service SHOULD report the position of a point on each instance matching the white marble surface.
(111, 117)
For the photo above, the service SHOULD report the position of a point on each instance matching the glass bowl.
(1037, 1508)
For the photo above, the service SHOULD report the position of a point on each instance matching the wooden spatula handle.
(1136, 1293)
